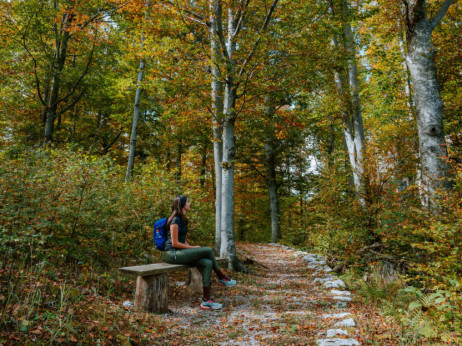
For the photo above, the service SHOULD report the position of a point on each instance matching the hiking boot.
(227, 282)
(210, 305)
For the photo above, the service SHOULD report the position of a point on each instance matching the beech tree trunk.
(353, 129)
(217, 109)
(229, 150)
(271, 183)
(136, 112)
(227, 49)
(420, 59)
(136, 115)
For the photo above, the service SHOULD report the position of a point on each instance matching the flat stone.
(349, 322)
(339, 315)
(334, 283)
(334, 332)
(341, 305)
(337, 342)
(314, 261)
(328, 277)
(323, 268)
(343, 299)
(340, 293)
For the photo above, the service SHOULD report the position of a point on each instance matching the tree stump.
(195, 281)
(152, 293)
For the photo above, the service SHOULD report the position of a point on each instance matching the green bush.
(76, 208)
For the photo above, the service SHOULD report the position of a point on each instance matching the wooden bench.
(152, 283)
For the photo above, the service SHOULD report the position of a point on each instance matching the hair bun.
(183, 200)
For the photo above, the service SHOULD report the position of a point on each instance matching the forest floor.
(283, 300)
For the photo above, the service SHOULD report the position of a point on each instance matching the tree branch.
(81, 76)
(202, 101)
(257, 42)
(108, 147)
(101, 12)
(77, 99)
(37, 81)
(218, 30)
(250, 163)
(444, 8)
(241, 16)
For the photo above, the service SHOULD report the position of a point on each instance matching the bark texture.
(217, 109)
(350, 108)
(231, 80)
(195, 281)
(271, 182)
(420, 59)
(136, 115)
(152, 293)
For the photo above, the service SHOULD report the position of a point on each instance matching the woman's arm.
(174, 236)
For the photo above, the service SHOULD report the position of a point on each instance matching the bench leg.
(195, 281)
(152, 293)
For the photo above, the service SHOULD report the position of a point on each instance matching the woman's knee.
(208, 250)
(208, 264)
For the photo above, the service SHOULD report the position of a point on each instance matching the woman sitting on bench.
(178, 251)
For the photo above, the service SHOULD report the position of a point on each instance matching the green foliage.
(75, 208)
(436, 316)
(410, 256)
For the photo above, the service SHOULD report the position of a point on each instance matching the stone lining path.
(297, 300)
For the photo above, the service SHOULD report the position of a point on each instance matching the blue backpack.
(159, 233)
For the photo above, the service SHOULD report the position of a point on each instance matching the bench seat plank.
(159, 268)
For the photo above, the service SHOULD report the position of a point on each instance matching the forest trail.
(288, 300)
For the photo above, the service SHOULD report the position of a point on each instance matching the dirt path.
(295, 300)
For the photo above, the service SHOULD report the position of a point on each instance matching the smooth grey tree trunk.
(136, 115)
(353, 129)
(406, 182)
(217, 109)
(272, 190)
(229, 150)
(420, 59)
(227, 49)
(136, 112)
(271, 183)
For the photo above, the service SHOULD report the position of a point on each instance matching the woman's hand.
(195, 246)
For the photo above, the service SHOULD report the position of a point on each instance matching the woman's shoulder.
(175, 220)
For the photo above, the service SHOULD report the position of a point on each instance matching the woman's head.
(180, 205)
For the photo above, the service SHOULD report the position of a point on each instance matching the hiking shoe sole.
(226, 283)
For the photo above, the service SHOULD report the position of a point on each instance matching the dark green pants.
(201, 257)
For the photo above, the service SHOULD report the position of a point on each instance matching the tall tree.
(420, 59)
(270, 165)
(136, 110)
(217, 109)
(232, 78)
(346, 81)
